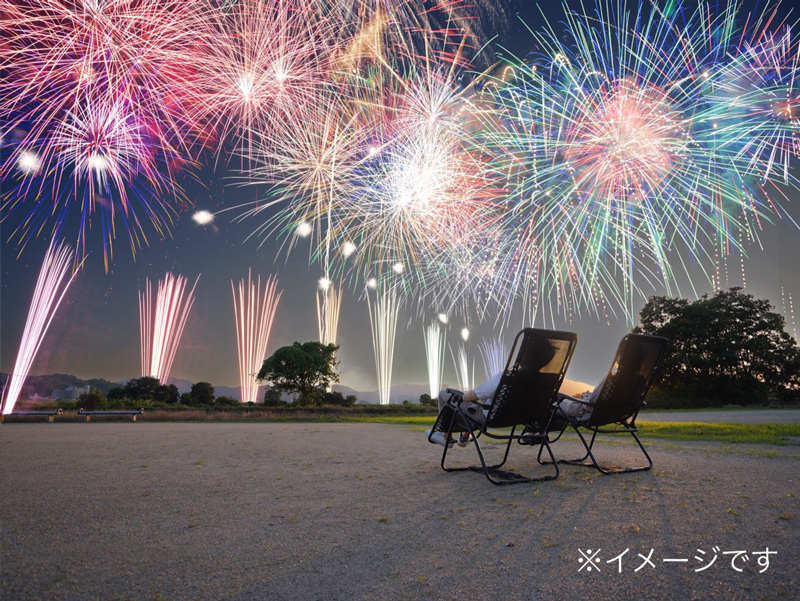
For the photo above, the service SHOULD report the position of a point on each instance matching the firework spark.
(493, 353)
(161, 322)
(383, 313)
(329, 301)
(257, 65)
(51, 286)
(203, 217)
(254, 311)
(434, 352)
(464, 373)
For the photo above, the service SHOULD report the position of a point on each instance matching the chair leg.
(512, 477)
(549, 442)
(608, 470)
(480, 455)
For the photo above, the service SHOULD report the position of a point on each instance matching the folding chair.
(617, 403)
(525, 395)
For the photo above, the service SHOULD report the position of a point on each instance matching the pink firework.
(626, 143)
(254, 311)
(161, 323)
(52, 285)
(254, 65)
(59, 52)
(94, 156)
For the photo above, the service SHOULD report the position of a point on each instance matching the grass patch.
(421, 418)
(776, 434)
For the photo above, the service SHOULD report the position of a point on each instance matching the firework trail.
(464, 372)
(383, 313)
(51, 286)
(493, 353)
(329, 302)
(254, 311)
(787, 305)
(161, 322)
(434, 352)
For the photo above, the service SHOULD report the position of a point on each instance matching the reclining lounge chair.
(525, 395)
(617, 404)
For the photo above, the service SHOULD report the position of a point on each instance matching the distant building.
(69, 393)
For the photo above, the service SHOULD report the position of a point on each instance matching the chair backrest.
(633, 371)
(533, 374)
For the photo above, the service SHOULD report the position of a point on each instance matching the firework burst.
(95, 156)
(86, 89)
(256, 66)
(614, 158)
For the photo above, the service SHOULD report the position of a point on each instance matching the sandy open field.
(360, 511)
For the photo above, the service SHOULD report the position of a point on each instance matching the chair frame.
(626, 424)
(461, 421)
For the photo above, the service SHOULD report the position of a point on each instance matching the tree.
(226, 401)
(729, 347)
(305, 368)
(337, 399)
(426, 400)
(142, 389)
(166, 394)
(202, 394)
(116, 393)
(92, 400)
(273, 398)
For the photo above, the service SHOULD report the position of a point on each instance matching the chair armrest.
(566, 397)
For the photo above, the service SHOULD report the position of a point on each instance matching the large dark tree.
(141, 389)
(202, 394)
(168, 394)
(729, 347)
(306, 368)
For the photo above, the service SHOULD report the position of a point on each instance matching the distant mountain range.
(44, 385)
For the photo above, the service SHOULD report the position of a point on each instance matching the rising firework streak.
(383, 314)
(52, 285)
(254, 311)
(161, 323)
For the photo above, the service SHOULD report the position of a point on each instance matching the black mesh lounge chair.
(618, 402)
(525, 395)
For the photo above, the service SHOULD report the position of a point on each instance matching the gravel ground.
(363, 511)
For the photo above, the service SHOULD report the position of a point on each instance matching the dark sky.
(96, 331)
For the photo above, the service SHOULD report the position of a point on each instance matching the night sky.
(96, 331)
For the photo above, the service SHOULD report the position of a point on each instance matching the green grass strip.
(777, 434)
